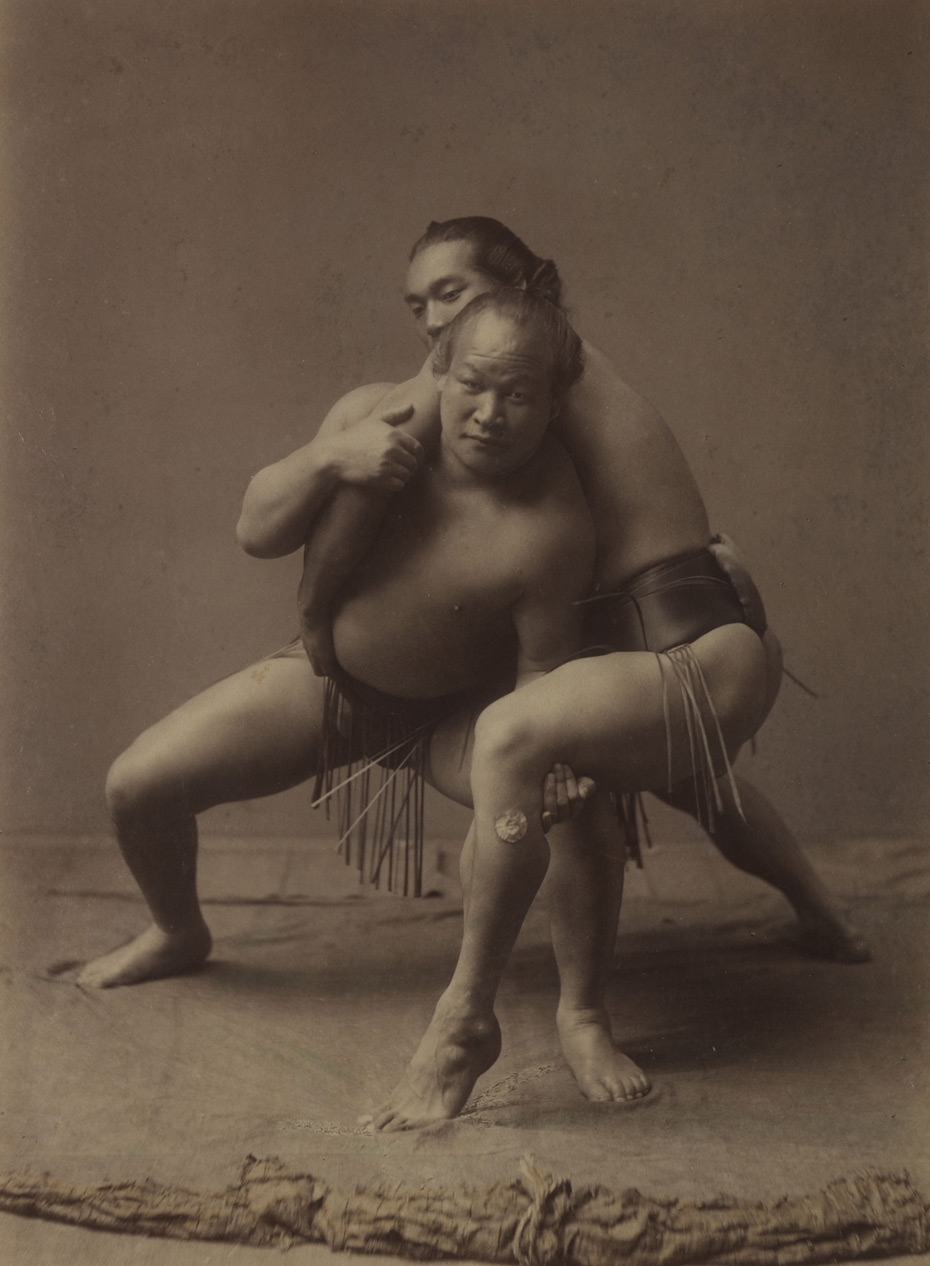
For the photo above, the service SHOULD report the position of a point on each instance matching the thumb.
(394, 417)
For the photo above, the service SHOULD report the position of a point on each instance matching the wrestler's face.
(441, 279)
(496, 399)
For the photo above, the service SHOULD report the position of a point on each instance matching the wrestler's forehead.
(440, 262)
(491, 341)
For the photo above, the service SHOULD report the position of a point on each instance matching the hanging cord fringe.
(378, 800)
(799, 683)
(371, 770)
(680, 667)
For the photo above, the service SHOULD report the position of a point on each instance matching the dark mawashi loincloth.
(663, 609)
(372, 768)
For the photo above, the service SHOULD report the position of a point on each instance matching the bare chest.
(461, 555)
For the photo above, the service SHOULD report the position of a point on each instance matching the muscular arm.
(370, 439)
(283, 499)
(348, 527)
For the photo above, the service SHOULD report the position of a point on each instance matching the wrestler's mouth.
(485, 441)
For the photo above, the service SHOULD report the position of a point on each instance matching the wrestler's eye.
(470, 384)
(415, 311)
(451, 295)
(519, 397)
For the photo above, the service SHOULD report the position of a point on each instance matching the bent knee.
(736, 667)
(506, 733)
(138, 786)
(774, 669)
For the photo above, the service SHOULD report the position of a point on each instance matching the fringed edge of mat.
(537, 1219)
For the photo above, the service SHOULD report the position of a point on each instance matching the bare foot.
(828, 934)
(603, 1073)
(150, 956)
(453, 1053)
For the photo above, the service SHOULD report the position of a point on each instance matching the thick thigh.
(611, 718)
(774, 669)
(252, 734)
(451, 745)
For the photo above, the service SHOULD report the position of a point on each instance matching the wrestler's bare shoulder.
(356, 405)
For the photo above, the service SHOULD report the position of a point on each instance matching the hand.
(731, 562)
(376, 453)
(564, 795)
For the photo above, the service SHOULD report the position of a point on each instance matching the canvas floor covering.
(774, 1072)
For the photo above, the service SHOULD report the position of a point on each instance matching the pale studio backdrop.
(207, 207)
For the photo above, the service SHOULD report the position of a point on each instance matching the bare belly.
(423, 644)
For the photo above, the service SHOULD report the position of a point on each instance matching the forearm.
(371, 439)
(341, 537)
(282, 501)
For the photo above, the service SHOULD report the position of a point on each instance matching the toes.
(380, 1119)
(598, 1092)
(396, 1124)
(617, 1088)
(624, 1092)
(388, 1120)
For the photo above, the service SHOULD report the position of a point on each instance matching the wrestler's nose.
(435, 322)
(488, 414)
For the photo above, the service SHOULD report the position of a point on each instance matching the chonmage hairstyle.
(527, 310)
(499, 254)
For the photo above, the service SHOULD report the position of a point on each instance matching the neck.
(454, 473)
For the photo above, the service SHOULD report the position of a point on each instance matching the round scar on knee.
(510, 826)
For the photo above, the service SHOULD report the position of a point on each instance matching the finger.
(576, 798)
(550, 798)
(586, 787)
(546, 822)
(405, 460)
(560, 788)
(397, 470)
(571, 784)
(409, 443)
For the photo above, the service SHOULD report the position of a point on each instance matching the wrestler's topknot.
(499, 254)
(527, 310)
